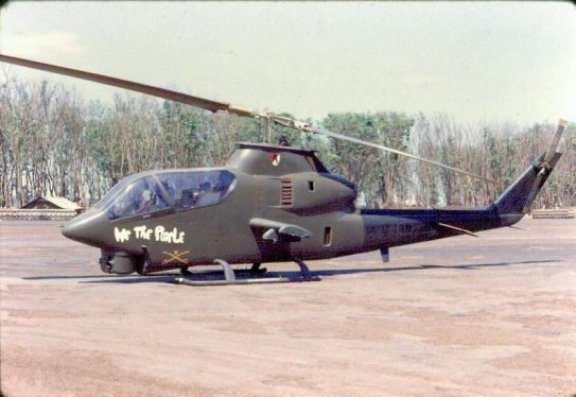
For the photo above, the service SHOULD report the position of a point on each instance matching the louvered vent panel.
(286, 193)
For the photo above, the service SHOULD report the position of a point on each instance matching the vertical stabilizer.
(520, 195)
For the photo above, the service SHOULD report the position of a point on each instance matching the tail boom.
(393, 227)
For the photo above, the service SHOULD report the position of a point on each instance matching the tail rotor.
(546, 165)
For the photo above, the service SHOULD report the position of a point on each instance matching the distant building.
(41, 209)
(53, 203)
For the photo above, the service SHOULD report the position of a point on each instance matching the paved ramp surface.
(494, 316)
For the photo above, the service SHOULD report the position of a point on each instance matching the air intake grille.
(286, 193)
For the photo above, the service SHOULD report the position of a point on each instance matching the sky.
(477, 62)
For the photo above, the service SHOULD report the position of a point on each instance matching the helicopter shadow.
(470, 266)
(63, 277)
(108, 278)
(214, 275)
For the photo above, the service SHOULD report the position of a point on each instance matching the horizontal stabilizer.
(458, 229)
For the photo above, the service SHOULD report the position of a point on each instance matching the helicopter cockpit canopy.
(181, 190)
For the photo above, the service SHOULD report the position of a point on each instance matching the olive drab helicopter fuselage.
(269, 203)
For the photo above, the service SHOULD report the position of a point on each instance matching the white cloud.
(37, 45)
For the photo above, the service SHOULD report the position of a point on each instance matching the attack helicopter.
(268, 203)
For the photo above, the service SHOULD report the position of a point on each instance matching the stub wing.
(276, 231)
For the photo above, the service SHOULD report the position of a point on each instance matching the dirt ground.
(494, 316)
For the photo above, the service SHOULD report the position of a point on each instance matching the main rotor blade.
(175, 96)
(303, 126)
(398, 152)
(213, 106)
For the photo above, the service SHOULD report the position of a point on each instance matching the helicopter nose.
(91, 227)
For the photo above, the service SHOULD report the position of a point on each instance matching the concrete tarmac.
(494, 316)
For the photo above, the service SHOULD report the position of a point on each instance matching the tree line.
(53, 142)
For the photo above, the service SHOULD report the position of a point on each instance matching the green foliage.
(54, 143)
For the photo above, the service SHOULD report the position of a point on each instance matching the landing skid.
(243, 273)
(256, 275)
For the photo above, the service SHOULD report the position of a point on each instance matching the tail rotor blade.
(554, 144)
(545, 164)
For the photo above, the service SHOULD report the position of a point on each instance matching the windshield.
(139, 195)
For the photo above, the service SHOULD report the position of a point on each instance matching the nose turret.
(92, 228)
